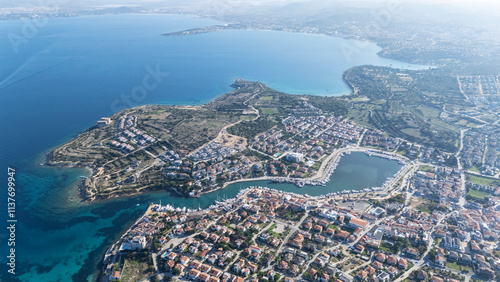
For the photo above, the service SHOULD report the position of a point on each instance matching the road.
(430, 245)
(294, 228)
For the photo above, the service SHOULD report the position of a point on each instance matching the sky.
(165, 3)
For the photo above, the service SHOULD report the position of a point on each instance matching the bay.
(71, 71)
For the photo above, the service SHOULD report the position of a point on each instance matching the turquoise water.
(75, 70)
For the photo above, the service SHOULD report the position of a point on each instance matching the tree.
(176, 271)
(277, 277)
(432, 254)
(451, 161)
(422, 249)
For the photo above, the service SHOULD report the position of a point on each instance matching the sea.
(58, 76)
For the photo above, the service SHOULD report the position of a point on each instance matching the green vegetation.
(329, 104)
(137, 267)
(443, 273)
(288, 214)
(429, 207)
(427, 168)
(386, 247)
(406, 104)
(453, 265)
(269, 111)
(474, 169)
(478, 194)
(316, 166)
(250, 129)
(483, 180)
(398, 198)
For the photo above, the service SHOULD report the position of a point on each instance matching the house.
(392, 260)
(180, 267)
(283, 265)
(319, 262)
(193, 273)
(412, 252)
(357, 232)
(466, 259)
(453, 256)
(170, 264)
(104, 121)
(440, 261)
(422, 275)
(344, 277)
(212, 258)
(362, 275)
(238, 279)
(436, 279)
(307, 225)
(204, 277)
(169, 256)
(294, 269)
(383, 276)
(334, 252)
(359, 249)
(392, 271)
(213, 279)
(371, 270)
(341, 234)
(377, 265)
(205, 268)
(195, 264)
(296, 243)
(318, 228)
(486, 272)
(255, 249)
(319, 239)
(330, 231)
(274, 242)
(380, 257)
(116, 275)
(253, 267)
(402, 263)
(245, 272)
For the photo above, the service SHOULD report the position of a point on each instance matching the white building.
(295, 157)
(138, 243)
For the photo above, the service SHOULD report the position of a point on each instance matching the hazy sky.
(165, 3)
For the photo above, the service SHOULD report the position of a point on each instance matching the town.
(424, 228)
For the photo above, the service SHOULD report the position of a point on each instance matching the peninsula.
(193, 149)
(255, 132)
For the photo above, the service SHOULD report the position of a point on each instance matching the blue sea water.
(72, 71)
